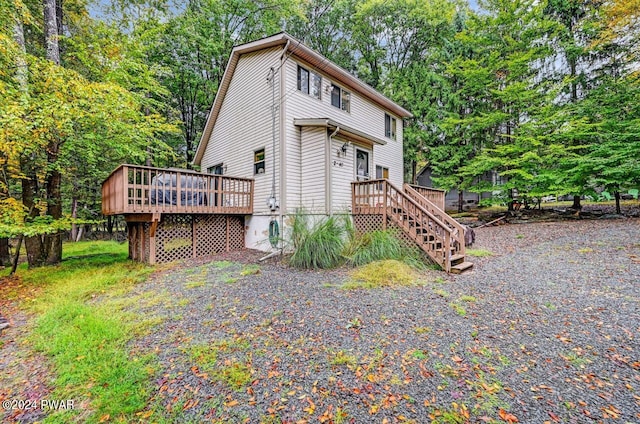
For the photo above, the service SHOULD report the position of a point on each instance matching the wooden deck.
(134, 189)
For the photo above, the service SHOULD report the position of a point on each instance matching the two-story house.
(302, 127)
(288, 130)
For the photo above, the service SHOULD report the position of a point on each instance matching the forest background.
(545, 93)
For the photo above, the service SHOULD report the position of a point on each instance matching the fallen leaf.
(505, 416)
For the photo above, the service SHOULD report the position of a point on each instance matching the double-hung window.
(340, 98)
(309, 82)
(389, 126)
(258, 161)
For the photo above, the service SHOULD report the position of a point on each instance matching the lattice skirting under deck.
(179, 236)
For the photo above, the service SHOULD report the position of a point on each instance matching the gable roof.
(298, 49)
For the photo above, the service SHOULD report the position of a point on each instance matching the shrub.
(317, 247)
(373, 246)
(380, 245)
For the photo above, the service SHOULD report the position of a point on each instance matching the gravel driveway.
(545, 330)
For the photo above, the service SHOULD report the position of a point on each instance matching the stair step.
(462, 267)
(457, 259)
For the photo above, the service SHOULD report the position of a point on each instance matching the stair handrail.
(446, 237)
(436, 211)
(385, 196)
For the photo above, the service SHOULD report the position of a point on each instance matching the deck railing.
(457, 231)
(433, 195)
(132, 189)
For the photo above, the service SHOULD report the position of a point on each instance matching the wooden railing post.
(385, 192)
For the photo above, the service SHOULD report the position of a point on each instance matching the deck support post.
(152, 238)
(228, 242)
(194, 236)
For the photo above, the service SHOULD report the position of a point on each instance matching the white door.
(362, 165)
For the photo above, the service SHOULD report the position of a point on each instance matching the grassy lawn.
(83, 330)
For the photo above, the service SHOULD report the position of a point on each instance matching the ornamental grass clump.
(373, 246)
(319, 246)
(380, 245)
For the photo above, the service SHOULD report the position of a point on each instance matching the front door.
(362, 165)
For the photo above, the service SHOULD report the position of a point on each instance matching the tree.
(194, 48)
(52, 119)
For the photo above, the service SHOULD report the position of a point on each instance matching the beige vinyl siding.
(313, 170)
(364, 116)
(244, 125)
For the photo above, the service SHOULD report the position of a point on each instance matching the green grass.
(85, 335)
(479, 253)
(343, 358)
(458, 309)
(250, 269)
(388, 273)
(209, 358)
(467, 298)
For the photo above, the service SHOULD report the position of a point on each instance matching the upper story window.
(389, 126)
(258, 161)
(216, 169)
(340, 98)
(309, 82)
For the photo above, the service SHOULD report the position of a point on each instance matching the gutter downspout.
(328, 191)
(283, 140)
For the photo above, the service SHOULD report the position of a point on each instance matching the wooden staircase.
(436, 233)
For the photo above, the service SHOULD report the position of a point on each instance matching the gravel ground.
(545, 330)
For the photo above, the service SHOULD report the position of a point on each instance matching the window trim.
(390, 126)
(262, 162)
(311, 77)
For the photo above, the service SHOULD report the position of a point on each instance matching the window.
(382, 172)
(340, 98)
(258, 161)
(216, 169)
(309, 82)
(389, 126)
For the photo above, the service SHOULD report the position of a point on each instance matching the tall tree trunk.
(460, 201)
(74, 215)
(414, 173)
(51, 30)
(5, 255)
(36, 255)
(616, 194)
(52, 243)
(576, 203)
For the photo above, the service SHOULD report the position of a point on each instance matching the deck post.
(384, 204)
(194, 236)
(228, 243)
(152, 238)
